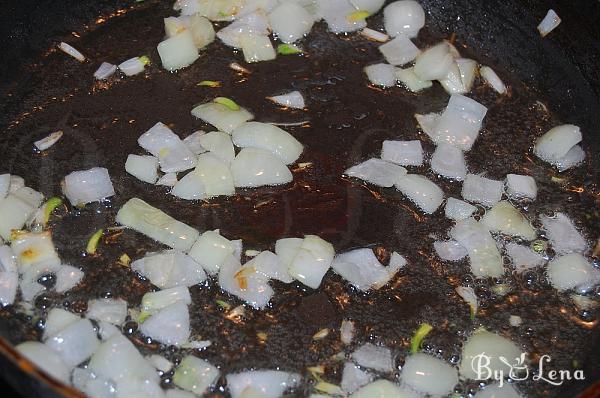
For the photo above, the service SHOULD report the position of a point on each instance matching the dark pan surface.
(347, 123)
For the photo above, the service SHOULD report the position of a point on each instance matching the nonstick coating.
(43, 92)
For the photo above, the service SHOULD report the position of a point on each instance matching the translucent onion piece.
(67, 277)
(255, 23)
(144, 168)
(16, 183)
(449, 250)
(478, 189)
(399, 51)
(460, 122)
(421, 191)
(505, 218)
(105, 71)
(353, 378)
(293, 99)
(347, 332)
(170, 325)
(31, 196)
(193, 142)
(108, 310)
(573, 158)
(170, 268)
(397, 261)
(371, 6)
(173, 26)
(107, 330)
(30, 290)
(245, 282)
(468, 69)
(261, 383)
(449, 161)
(495, 391)
(492, 79)
(14, 212)
(46, 359)
(210, 251)
(336, 12)
(201, 29)
(168, 180)
(48, 141)
(429, 375)
(173, 155)
(403, 17)
(221, 116)
(254, 167)
(374, 357)
(178, 51)
(57, 320)
(383, 75)
(268, 137)
(142, 217)
(257, 48)
(411, 81)
(563, 235)
(139, 388)
(523, 258)
(75, 343)
(383, 389)
(35, 253)
(4, 185)
(195, 375)
(434, 63)
(9, 276)
(132, 66)
(290, 21)
(549, 23)
(86, 186)
(468, 294)
(219, 144)
(557, 142)
(520, 186)
(493, 346)
(268, 264)
(307, 260)
(483, 254)
(212, 177)
(377, 172)
(572, 271)
(428, 122)
(374, 35)
(160, 363)
(362, 269)
(223, 10)
(72, 51)
(176, 393)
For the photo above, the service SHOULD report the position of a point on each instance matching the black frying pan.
(44, 91)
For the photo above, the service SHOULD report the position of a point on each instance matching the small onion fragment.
(144, 168)
(383, 75)
(14, 213)
(523, 258)
(46, 359)
(261, 383)
(362, 269)
(132, 66)
(9, 276)
(468, 294)
(178, 51)
(494, 390)
(483, 254)
(307, 260)
(377, 172)
(293, 99)
(167, 180)
(211, 177)
(170, 325)
(254, 23)
(556, 143)
(337, 15)
(374, 35)
(549, 23)
(421, 191)
(374, 357)
(411, 81)
(403, 17)
(478, 189)
(72, 51)
(449, 161)
(563, 235)
(492, 79)
(153, 302)
(505, 218)
(353, 378)
(347, 331)
(67, 277)
(257, 48)
(494, 347)
(449, 250)
(520, 186)
(404, 153)
(57, 320)
(460, 122)
(75, 343)
(428, 375)
(219, 144)
(400, 51)
(107, 310)
(245, 283)
(290, 21)
(86, 186)
(48, 141)
(384, 389)
(170, 268)
(105, 71)
(254, 167)
(434, 63)
(457, 209)
(221, 116)
(210, 251)
(572, 271)
(173, 155)
(268, 137)
(193, 142)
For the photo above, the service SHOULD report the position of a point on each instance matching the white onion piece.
(142, 217)
(428, 123)
(139, 388)
(264, 5)
(495, 391)
(257, 48)
(424, 193)
(57, 320)
(492, 79)
(245, 283)
(354, 378)
(347, 331)
(268, 137)
(35, 253)
(144, 168)
(201, 28)
(268, 264)
(222, 117)
(176, 393)
(478, 189)
(411, 81)
(434, 63)
(493, 346)
(555, 144)
(374, 35)
(48, 141)
(468, 294)
(174, 25)
(170, 268)
(449, 250)
(255, 23)
(383, 75)
(72, 51)
(404, 153)
(399, 51)
(261, 383)
(573, 158)
(30, 290)
(290, 21)
(307, 260)
(403, 17)
(572, 271)
(460, 122)
(75, 343)
(371, 6)
(457, 209)
(520, 186)
(107, 330)
(549, 23)
(67, 277)
(219, 144)
(383, 389)
(563, 235)
(167, 180)
(515, 320)
(428, 375)
(254, 167)
(9, 276)
(193, 142)
(16, 183)
(46, 359)
(468, 69)
(173, 155)
(363, 270)
(523, 258)
(505, 218)
(483, 254)
(159, 362)
(211, 177)
(223, 10)
(4, 185)
(132, 66)
(156, 301)
(31, 196)
(86, 186)
(449, 161)
(105, 71)
(293, 99)
(374, 357)
(210, 251)
(178, 51)
(336, 13)
(452, 82)
(377, 172)
(397, 261)
(108, 310)
(170, 325)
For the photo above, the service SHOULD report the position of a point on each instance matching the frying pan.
(552, 80)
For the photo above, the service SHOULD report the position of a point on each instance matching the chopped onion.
(257, 48)
(457, 209)
(142, 217)
(75, 343)
(421, 191)
(370, 6)
(434, 63)
(168, 180)
(221, 116)
(170, 268)
(30, 290)
(58, 320)
(520, 186)
(397, 261)
(549, 23)
(139, 388)
(176, 393)
(383, 75)
(254, 23)
(460, 122)
(523, 258)
(67, 277)
(411, 81)
(173, 26)
(157, 301)
(307, 260)
(449, 161)
(254, 167)
(201, 29)
(478, 189)
(46, 359)
(403, 17)
(210, 251)
(428, 122)
(383, 389)
(494, 390)
(573, 158)
(377, 172)
(483, 254)
(449, 250)
(374, 35)
(468, 294)
(219, 144)
(404, 153)
(212, 177)
(160, 363)
(399, 51)
(268, 264)
(494, 347)
(107, 330)
(557, 142)
(268, 137)
(505, 218)
(170, 325)
(563, 235)
(261, 383)
(178, 51)
(429, 375)
(354, 378)
(105, 71)
(70, 50)
(173, 155)
(35, 253)
(193, 142)
(363, 270)
(86, 186)
(195, 375)
(48, 141)
(347, 332)
(572, 271)
(144, 168)
(374, 357)
(290, 21)
(132, 66)
(492, 79)
(293, 99)
(9, 276)
(108, 310)
(336, 13)
(16, 183)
